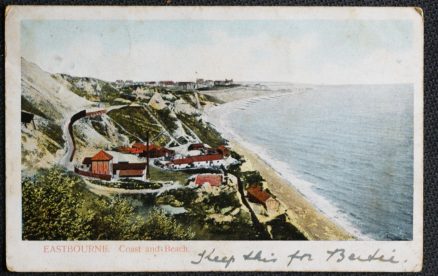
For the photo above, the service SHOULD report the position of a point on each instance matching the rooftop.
(129, 166)
(102, 156)
(257, 193)
(198, 158)
(212, 179)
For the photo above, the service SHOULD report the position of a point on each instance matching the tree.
(52, 211)
(159, 226)
(57, 206)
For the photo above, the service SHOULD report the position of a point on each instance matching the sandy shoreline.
(303, 214)
(310, 221)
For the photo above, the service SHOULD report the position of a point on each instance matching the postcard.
(214, 138)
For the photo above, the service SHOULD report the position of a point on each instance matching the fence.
(106, 177)
(95, 113)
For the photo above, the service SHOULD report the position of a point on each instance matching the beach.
(304, 216)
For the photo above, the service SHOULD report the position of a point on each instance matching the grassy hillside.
(137, 121)
(164, 116)
(204, 131)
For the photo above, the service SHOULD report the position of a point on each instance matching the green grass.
(137, 121)
(164, 175)
(166, 120)
(205, 132)
(108, 93)
(80, 92)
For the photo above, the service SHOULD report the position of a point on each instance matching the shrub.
(57, 206)
(159, 226)
(252, 177)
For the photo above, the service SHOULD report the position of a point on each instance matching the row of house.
(205, 157)
(199, 155)
(198, 161)
(127, 83)
(152, 150)
(182, 85)
(202, 148)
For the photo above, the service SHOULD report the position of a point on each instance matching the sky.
(299, 51)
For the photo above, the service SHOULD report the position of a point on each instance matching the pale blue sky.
(307, 51)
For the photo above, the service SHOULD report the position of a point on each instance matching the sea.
(348, 149)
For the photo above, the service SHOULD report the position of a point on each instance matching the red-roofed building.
(257, 195)
(102, 167)
(102, 156)
(212, 160)
(223, 150)
(141, 146)
(129, 150)
(126, 169)
(101, 163)
(198, 146)
(155, 151)
(87, 161)
(215, 180)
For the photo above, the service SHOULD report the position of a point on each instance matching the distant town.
(199, 84)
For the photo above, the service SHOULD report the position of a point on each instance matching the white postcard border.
(39, 255)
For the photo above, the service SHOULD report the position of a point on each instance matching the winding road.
(65, 160)
(67, 133)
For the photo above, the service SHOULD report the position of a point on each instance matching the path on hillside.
(65, 160)
(67, 133)
(107, 191)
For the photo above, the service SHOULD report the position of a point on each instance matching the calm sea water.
(348, 149)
